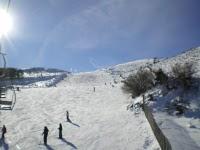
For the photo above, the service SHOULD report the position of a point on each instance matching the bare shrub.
(161, 77)
(183, 73)
(138, 83)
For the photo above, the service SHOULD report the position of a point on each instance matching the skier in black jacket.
(3, 130)
(60, 131)
(45, 133)
(67, 116)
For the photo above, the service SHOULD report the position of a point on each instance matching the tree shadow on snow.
(189, 100)
(69, 143)
(4, 144)
(193, 114)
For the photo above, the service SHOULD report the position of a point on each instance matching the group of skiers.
(45, 132)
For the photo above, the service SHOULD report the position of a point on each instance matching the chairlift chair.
(7, 93)
(7, 98)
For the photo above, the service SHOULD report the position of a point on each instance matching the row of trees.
(145, 79)
(11, 73)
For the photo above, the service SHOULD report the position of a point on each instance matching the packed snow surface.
(99, 118)
(97, 109)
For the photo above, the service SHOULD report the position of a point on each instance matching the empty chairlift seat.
(5, 102)
(3, 95)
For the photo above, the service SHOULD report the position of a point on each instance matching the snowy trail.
(99, 119)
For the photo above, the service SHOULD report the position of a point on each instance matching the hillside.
(191, 55)
(187, 126)
(99, 119)
(98, 110)
(36, 77)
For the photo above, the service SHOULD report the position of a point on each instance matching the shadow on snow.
(68, 143)
(4, 144)
(73, 123)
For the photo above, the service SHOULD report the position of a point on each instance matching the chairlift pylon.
(7, 91)
(3, 66)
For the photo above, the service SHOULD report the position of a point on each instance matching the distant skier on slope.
(67, 116)
(60, 131)
(94, 89)
(45, 133)
(3, 130)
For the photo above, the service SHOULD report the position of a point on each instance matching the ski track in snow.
(99, 119)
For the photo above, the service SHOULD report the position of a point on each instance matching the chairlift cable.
(9, 1)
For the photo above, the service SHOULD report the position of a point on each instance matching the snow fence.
(162, 140)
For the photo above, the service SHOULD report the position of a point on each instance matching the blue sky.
(89, 34)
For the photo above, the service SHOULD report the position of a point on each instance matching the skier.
(94, 89)
(3, 130)
(45, 133)
(60, 131)
(67, 116)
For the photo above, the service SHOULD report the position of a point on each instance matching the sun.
(5, 23)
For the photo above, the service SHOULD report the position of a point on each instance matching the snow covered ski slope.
(100, 120)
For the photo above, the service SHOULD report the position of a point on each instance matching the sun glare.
(5, 23)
